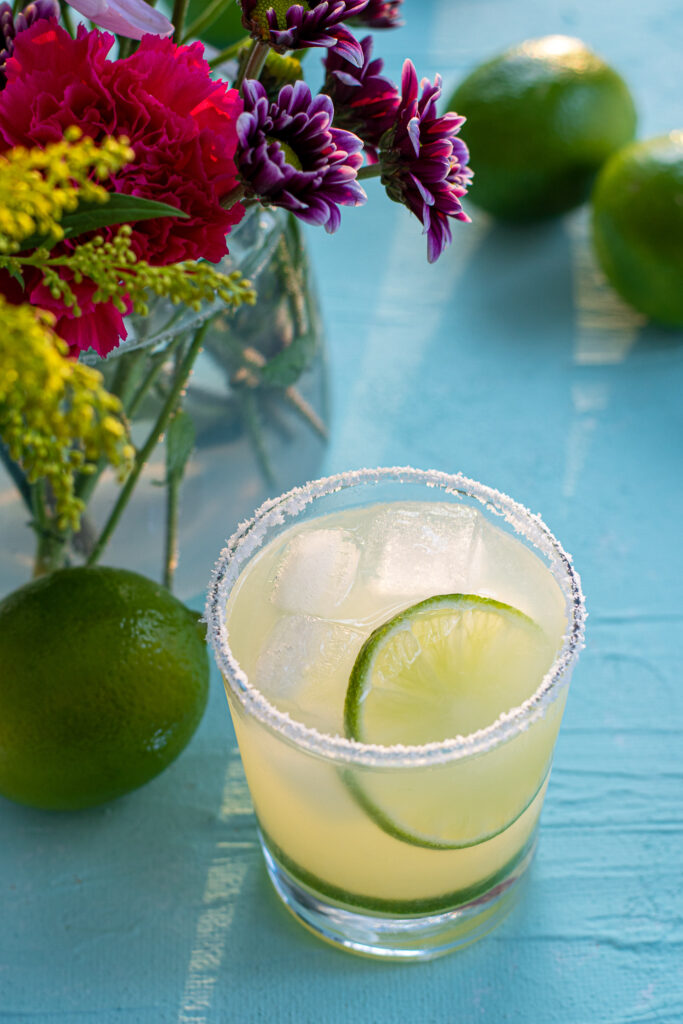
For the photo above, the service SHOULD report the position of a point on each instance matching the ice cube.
(316, 572)
(503, 567)
(304, 669)
(415, 553)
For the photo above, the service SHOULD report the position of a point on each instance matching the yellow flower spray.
(58, 423)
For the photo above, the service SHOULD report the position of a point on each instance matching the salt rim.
(250, 536)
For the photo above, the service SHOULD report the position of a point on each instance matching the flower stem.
(369, 171)
(173, 482)
(157, 365)
(212, 10)
(234, 196)
(255, 61)
(300, 405)
(125, 376)
(18, 476)
(67, 20)
(171, 545)
(49, 552)
(144, 453)
(178, 18)
(122, 387)
(252, 421)
(228, 53)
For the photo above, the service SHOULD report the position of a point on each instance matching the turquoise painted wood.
(510, 361)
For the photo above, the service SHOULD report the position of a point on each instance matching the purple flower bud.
(423, 164)
(381, 14)
(364, 101)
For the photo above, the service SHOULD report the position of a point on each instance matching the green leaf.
(119, 209)
(218, 23)
(15, 273)
(180, 440)
(286, 367)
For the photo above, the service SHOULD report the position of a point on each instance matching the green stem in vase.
(296, 400)
(50, 550)
(156, 366)
(126, 376)
(144, 453)
(252, 421)
(180, 442)
(121, 386)
(171, 543)
(124, 387)
(18, 476)
(253, 360)
(173, 482)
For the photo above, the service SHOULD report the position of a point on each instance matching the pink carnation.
(182, 126)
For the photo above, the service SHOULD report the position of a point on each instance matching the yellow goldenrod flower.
(38, 186)
(56, 417)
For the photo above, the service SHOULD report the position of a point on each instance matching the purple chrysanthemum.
(10, 26)
(290, 155)
(293, 26)
(364, 101)
(382, 14)
(423, 164)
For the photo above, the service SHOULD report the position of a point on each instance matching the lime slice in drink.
(442, 668)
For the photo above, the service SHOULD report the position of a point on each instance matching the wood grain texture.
(511, 361)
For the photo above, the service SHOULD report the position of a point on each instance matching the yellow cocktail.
(396, 658)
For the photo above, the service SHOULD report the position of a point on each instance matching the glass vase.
(256, 406)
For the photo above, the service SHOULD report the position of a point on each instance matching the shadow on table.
(134, 901)
(517, 284)
(659, 340)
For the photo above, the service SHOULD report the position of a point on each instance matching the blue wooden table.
(511, 361)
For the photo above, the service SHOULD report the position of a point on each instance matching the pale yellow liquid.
(297, 618)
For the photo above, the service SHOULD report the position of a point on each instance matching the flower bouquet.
(126, 162)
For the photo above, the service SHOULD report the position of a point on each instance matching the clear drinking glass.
(389, 850)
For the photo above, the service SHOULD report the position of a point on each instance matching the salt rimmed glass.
(338, 863)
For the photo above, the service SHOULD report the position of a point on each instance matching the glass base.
(392, 937)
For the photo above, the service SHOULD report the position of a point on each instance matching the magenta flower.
(131, 18)
(364, 101)
(10, 26)
(290, 155)
(182, 125)
(295, 26)
(423, 164)
(382, 14)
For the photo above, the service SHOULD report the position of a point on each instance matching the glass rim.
(183, 318)
(250, 536)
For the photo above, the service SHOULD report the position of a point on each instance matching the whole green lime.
(638, 225)
(542, 118)
(103, 680)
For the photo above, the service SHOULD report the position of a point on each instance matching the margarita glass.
(396, 646)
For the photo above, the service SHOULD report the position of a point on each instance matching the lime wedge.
(447, 667)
